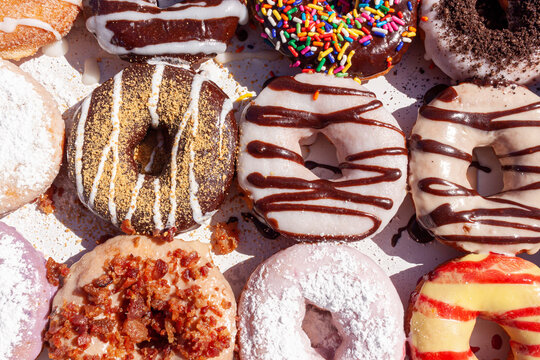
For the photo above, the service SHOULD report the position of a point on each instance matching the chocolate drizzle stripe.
(317, 189)
(264, 150)
(481, 121)
(527, 151)
(522, 168)
(283, 117)
(290, 84)
(432, 146)
(390, 151)
(493, 240)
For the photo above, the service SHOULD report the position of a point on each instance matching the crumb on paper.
(224, 237)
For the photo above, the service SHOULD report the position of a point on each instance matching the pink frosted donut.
(365, 308)
(25, 297)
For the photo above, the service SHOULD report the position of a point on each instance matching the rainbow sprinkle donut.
(362, 39)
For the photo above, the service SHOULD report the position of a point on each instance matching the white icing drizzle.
(9, 25)
(225, 110)
(79, 142)
(153, 100)
(97, 24)
(157, 210)
(117, 96)
(56, 49)
(134, 196)
(191, 112)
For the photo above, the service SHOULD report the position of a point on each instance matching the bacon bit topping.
(153, 319)
(45, 202)
(55, 271)
(166, 235)
(224, 238)
(127, 228)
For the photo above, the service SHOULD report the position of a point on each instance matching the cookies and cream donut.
(482, 39)
(370, 149)
(461, 118)
(26, 26)
(445, 305)
(365, 308)
(192, 30)
(25, 296)
(31, 138)
(188, 169)
(360, 38)
(132, 298)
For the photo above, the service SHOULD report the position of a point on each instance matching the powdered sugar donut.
(25, 296)
(364, 305)
(370, 149)
(31, 138)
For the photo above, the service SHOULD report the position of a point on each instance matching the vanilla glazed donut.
(189, 169)
(364, 306)
(26, 26)
(345, 38)
(446, 303)
(31, 138)
(25, 296)
(370, 149)
(461, 118)
(135, 298)
(191, 30)
(482, 39)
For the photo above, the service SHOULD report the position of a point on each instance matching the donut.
(489, 40)
(364, 305)
(191, 30)
(336, 37)
(25, 296)
(370, 148)
(444, 307)
(461, 118)
(188, 171)
(26, 26)
(134, 298)
(31, 138)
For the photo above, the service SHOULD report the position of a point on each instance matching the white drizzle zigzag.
(153, 100)
(157, 210)
(113, 140)
(8, 25)
(79, 143)
(191, 112)
(134, 196)
(225, 110)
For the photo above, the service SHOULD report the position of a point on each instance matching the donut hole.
(492, 14)
(320, 157)
(485, 172)
(322, 333)
(163, 4)
(489, 340)
(151, 154)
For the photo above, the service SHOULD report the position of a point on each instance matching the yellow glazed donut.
(444, 307)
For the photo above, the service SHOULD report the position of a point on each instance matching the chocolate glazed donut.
(189, 170)
(191, 30)
(446, 132)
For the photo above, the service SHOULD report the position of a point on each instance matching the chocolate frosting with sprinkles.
(188, 171)
(363, 38)
(490, 34)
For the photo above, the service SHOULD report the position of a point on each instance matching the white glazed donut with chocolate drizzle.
(370, 149)
(447, 130)
(192, 30)
(179, 179)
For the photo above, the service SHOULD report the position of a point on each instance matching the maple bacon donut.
(26, 26)
(174, 179)
(370, 149)
(445, 305)
(191, 30)
(489, 40)
(364, 306)
(461, 118)
(31, 138)
(132, 298)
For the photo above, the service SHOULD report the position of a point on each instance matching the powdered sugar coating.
(24, 296)
(365, 306)
(31, 138)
